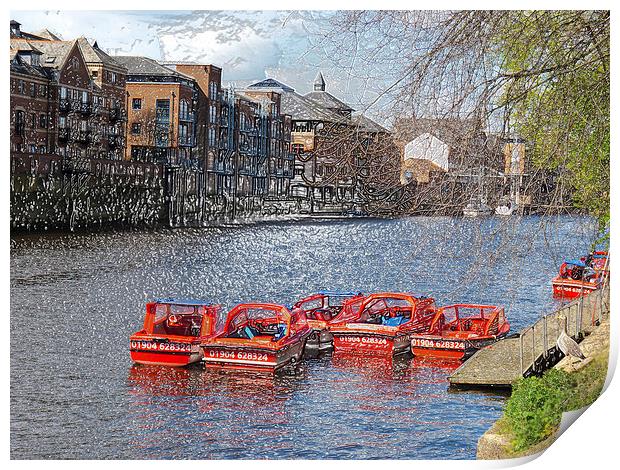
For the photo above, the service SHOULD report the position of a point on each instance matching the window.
(33, 120)
(43, 121)
(212, 90)
(136, 128)
(183, 110)
(136, 103)
(183, 134)
(84, 97)
(33, 89)
(43, 91)
(63, 93)
(162, 120)
(95, 73)
(212, 113)
(212, 137)
(20, 87)
(19, 122)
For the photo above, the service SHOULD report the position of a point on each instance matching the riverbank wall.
(47, 194)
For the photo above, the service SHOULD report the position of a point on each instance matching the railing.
(116, 114)
(83, 137)
(64, 105)
(537, 342)
(64, 133)
(85, 108)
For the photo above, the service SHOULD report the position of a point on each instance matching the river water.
(76, 298)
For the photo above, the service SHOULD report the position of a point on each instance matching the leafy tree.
(541, 74)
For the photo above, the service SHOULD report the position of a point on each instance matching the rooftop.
(92, 54)
(138, 65)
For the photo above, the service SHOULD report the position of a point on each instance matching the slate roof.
(21, 44)
(301, 108)
(315, 106)
(137, 65)
(270, 84)
(92, 54)
(327, 100)
(366, 124)
(296, 105)
(46, 34)
(21, 67)
(54, 53)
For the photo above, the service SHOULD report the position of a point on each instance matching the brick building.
(161, 107)
(66, 99)
(337, 152)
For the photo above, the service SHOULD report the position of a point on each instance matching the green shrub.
(535, 408)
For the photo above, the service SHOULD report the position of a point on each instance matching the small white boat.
(505, 210)
(480, 209)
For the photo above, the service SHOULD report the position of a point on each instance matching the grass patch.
(534, 410)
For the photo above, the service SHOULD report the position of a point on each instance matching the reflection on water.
(75, 299)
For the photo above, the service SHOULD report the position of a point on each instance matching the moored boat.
(457, 331)
(582, 276)
(172, 332)
(319, 309)
(381, 323)
(257, 336)
(477, 209)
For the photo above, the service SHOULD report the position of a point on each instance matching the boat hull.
(371, 343)
(570, 289)
(319, 339)
(239, 357)
(447, 348)
(165, 353)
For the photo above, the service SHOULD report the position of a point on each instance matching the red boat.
(173, 332)
(257, 336)
(381, 323)
(582, 276)
(319, 309)
(457, 331)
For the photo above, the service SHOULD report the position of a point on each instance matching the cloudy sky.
(248, 45)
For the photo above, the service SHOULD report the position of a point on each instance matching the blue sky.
(248, 45)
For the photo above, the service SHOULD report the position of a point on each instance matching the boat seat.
(393, 321)
(249, 333)
(280, 333)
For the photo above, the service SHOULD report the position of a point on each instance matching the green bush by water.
(535, 408)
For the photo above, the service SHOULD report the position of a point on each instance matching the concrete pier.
(532, 350)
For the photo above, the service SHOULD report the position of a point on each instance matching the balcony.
(65, 105)
(116, 114)
(114, 141)
(187, 142)
(189, 117)
(20, 129)
(85, 108)
(83, 137)
(64, 133)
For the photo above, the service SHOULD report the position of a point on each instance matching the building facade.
(161, 105)
(337, 153)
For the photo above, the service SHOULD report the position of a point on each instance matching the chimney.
(15, 28)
